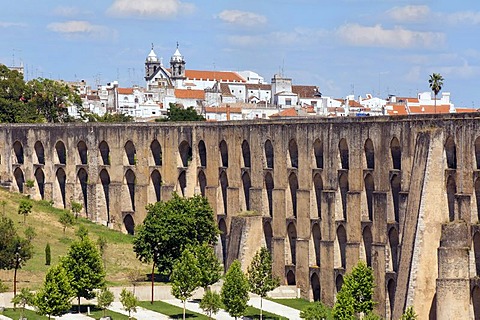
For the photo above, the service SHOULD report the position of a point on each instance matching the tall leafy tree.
(54, 297)
(211, 303)
(235, 291)
(315, 311)
(185, 277)
(436, 84)
(85, 268)
(22, 299)
(129, 301)
(25, 208)
(66, 219)
(260, 276)
(178, 113)
(104, 299)
(409, 314)
(172, 226)
(209, 265)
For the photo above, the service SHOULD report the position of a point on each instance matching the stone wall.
(328, 192)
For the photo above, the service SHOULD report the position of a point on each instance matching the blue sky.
(343, 46)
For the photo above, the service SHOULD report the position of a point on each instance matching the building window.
(288, 102)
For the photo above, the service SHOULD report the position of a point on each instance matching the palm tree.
(436, 83)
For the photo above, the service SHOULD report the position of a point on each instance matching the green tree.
(102, 248)
(48, 255)
(108, 117)
(23, 251)
(81, 232)
(316, 311)
(235, 291)
(178, 113)
(356, 293)
(24, 208)
(104, 299)
(22, 299)
(54, 297)
(170, 227)
(8, 234)
(436, 83)
(30, 234)
(210, 303)
(209, 265)
(3, 287)
(260, 277)
(409, 314)
(66, 219)
(85, 268)
(129, 301)
(185, 277)
(76, 208)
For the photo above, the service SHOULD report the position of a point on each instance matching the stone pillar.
(302, 270)
(379, 229)
(115, 196)
(453, 283)
(354, 233)
(256, 197)
(211, 195)
(279, 232)
(167, 191)
(327, 276)
(462, 207)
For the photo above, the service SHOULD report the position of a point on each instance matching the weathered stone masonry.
(402, 194)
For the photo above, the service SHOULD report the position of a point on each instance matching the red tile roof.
(125, 90)
(223, 76)
(466, 110)
(306, 91)
(429, 109)
(291, 112)
(258, 86)
(398, 110)
(189, 94)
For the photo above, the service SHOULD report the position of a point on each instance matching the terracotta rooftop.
(466, 110)
(125, 90)
(423, 109)
(306, 91)
(224, 76)
(397, 110)
(258, 86)
(189, 94)
(225, 90)
(291, 112)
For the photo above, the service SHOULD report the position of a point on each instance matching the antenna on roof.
(152, 45)
(177, 44)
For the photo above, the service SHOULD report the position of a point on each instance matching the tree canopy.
(178, 113)
(209, 265)
(235, 291)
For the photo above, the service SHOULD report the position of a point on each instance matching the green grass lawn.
(254, 313)
(97, 314)
(31, 315)
(172, 311)
(298, 304)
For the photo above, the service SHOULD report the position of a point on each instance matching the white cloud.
(4, 24)
(377, 36)
(409, 13)
(464, 17)
(65, 11)
(242, 18)
(150, 8)
(298, 36)
(76, 28)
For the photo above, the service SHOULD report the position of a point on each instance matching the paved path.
(4, 318)
(195, 307)
(141, 314)
(275, 308)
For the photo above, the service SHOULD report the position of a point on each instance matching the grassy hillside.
(119, 258)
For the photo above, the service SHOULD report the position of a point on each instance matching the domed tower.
(177, 65)
(152, 64)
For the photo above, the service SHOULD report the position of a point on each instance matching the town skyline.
(343, 47)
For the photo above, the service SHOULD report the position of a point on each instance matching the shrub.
(48, 255)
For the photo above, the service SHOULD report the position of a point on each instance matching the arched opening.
(293, 185)
(269, 188)
(268, 234)
(129, 224)
(343, 184)
(340, 248)
(130, 182)
(369, 188)
(224, 153)
(82, 152)
(39, 152)
(104, 153)
(391, 297)
(293, 153)
(156, 149)
(269, 155)
(315, 281)
(18, 150)
(291, 278)
(451, 153)
(367, 242)
(477, 152)
(61, 152)
(343, 148)
(246, 154)
(61, 181)
(451, 191)
(476, 302)
(182, 182)
(476, 252)
(156, 179)
(19, 179)
(105, 180)
(395, 188)
(318, 188)
(316, 237)
(224, 187)
(40, 178)
(339, 282)
(202, 152)
(396, 153)
(292, 239)
(318, 153)
(369, 154)
(202, 182)
(131, 153)
(247, 184)
(223, 240)
(393, 242)
(185, 153)
(477, 197)
(82, 177)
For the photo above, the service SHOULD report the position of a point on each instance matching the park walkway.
(193, 305)
(141, 314)
(275, 308)
(4, 318)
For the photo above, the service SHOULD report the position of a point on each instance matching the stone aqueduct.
(402, 194)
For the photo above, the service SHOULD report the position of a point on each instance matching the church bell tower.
(177, 66)
(152, 64)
